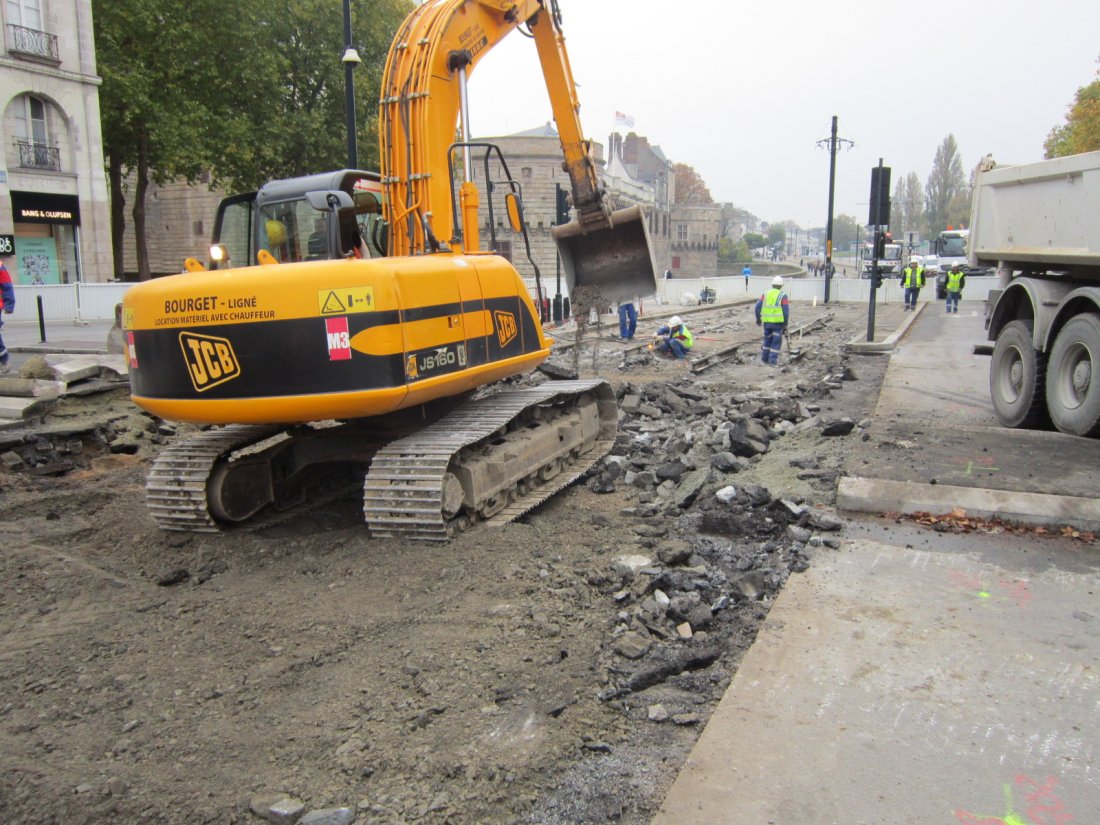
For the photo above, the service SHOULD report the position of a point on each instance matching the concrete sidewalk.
(952, 683)
(892, 685)
(941, 447)
(60, 336)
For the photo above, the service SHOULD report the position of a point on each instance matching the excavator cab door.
(607, 263)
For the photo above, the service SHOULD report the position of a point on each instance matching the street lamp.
(350, 61)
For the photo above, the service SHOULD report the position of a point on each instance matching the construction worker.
(628, 320)
(912, 278)
(675, 339)
(956, 280)
(7, 304)
(773, 312)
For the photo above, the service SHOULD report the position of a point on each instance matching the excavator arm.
(423, 109)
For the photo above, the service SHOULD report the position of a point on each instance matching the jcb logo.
(506, 327)
(210, 361)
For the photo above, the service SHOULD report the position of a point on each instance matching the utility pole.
(350, 59)
(833, 144)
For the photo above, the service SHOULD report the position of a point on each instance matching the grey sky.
(743, 91)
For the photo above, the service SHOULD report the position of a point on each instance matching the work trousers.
(673, 347)
(953, 301)
(911, 293)
(628, 321)
(773, 344)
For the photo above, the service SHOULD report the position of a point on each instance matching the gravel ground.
(555, 670)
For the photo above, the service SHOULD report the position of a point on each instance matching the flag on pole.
(622, 119)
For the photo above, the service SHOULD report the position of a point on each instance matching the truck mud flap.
(607, 264)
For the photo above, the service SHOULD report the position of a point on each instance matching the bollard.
(41, 322)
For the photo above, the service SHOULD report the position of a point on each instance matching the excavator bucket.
(607, 264)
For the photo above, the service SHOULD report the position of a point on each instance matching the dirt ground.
(163, 677)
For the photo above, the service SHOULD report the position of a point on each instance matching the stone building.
(693, 247)
(179, 224)
(54, 219)
(648, 167)
(633, 173)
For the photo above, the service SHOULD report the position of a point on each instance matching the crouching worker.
(773, 312)
(675, 339)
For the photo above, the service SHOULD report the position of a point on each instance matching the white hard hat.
(777, 280)
(675, 321)
(914, 261)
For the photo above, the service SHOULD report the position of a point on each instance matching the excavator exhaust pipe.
(607, 264)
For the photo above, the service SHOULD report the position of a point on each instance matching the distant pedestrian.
(956, 280)
(668, 274)
(912, 278)
(628, 320)
(747, 273)
(773, 312)
(7, 295)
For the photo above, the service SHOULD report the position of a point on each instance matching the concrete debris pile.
(63, 410)
(712, 552)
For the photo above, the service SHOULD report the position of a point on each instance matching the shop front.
(47, 238)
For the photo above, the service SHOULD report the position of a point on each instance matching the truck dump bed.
(1042, 214)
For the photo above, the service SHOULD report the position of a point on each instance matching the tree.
(846, 231)
(907, 206)
(242, 91)
(755, 240)
(777, 235)
(946, 188)
(913, 213)
(690, 188)
(897, 205)
(730, 251)
(1081, 131)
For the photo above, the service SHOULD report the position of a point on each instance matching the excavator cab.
(317, 217)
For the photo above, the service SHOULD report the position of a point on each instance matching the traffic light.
(880, 245)
(879, 213)
(562, 216)
(876, 278)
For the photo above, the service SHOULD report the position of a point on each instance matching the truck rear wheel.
(1016, 378)
(1073, 397)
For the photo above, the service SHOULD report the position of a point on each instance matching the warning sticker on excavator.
(343, 301)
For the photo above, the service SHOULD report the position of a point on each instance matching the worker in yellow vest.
(956, 280)
(912, 278)
(674, 339)
(773, 312)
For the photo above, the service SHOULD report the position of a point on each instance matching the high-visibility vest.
(772, 310)
(910, 281)
(683, 335)
(954, 281)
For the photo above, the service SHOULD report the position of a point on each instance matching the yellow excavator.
(350, 322)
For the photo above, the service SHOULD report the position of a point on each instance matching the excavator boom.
(424, 99)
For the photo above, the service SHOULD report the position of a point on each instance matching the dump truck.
(353, 323)
(1037, 224)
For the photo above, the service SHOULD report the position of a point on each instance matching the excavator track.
(411, 487)
(176, 485)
